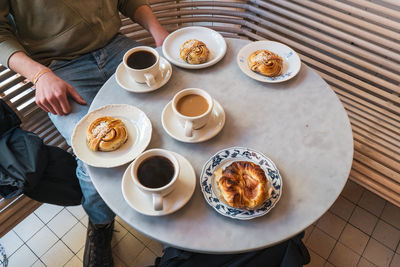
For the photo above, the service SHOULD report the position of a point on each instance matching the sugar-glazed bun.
(106, 134)
(243, 185)
(266, 63)
(194, 52)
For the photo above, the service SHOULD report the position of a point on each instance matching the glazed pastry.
(243, 185)
(194, 52)
(106, 134)
(266, 63)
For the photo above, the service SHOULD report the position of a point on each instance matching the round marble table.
(299, 124)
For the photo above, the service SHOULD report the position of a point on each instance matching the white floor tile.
(62, 223)
(11, 242)
(377, 253)
(77, 211)
(386, 234)
(372, 202)
(343, 256)
(42, 241)
(145, 258)
(128, 248)
(363, 220)
(46, 212)
(28, 227)
(81, 253)
(22, 257)
(156, 247)
(38, 263)
(321, 243)
(74, 262)
(395, 261)
(75, 238)
(58, 255)
(119, 233)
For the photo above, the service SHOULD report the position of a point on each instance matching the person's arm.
(146, 18)
(51, 92)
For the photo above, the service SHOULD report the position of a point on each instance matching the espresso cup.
(142, 63)
(155, 173)
(193, 108)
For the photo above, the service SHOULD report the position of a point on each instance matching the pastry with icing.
(106, 134)
(243, 185)
(194, 52)
(266, 63)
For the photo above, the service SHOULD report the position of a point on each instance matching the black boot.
(98, 251)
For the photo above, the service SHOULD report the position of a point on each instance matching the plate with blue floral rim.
(224, 158)
(291, 60)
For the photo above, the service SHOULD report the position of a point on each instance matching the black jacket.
(44, 173)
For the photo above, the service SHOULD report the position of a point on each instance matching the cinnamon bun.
(243, 185)
(266, 63)
(106, 134)
(194, 52)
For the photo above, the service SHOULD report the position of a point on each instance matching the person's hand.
(52, 94)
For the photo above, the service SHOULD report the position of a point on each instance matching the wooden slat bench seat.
(353, 44)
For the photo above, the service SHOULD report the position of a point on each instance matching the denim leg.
(87, 74)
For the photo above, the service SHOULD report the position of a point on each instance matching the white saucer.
(173, 127)
(126, 82)
(183, 191)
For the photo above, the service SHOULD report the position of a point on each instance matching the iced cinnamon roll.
(266, 63)
(106, 134)
(194, 52)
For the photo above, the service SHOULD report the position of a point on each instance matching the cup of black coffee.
(142, 64)
(155, 172)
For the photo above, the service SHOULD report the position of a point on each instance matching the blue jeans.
(87, 74)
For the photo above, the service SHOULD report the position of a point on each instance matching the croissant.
(194, 52)
(243, 185)
(266, 63)
(106, 134)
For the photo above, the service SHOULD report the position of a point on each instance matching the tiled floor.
(360, 229)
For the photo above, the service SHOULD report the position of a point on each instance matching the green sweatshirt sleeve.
(128, 7)
(8, 41)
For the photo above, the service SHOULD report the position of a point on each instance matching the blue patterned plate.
(291, 61)
(222, 159)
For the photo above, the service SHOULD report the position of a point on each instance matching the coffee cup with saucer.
(155, 173)
(173, 124)
(175, 200)
(145, 79)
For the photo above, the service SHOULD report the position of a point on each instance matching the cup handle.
(157, 202)
(189, 128)
(150, 80)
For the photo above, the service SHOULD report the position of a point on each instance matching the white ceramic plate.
(175, 200)
(291, 61)
(222, 159)
(126, 82)
(173, 127)
(139, 130)
(214, 41)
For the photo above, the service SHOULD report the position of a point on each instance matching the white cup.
(191, 123)
(144, 74)
(157, 193)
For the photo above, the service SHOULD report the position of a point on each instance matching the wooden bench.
(353, 44)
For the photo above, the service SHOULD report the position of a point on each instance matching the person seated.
(68, 49)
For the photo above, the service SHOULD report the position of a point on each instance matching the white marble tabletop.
(299, 124)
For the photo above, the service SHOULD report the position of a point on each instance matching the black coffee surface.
(155, 172)
(141, 60)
